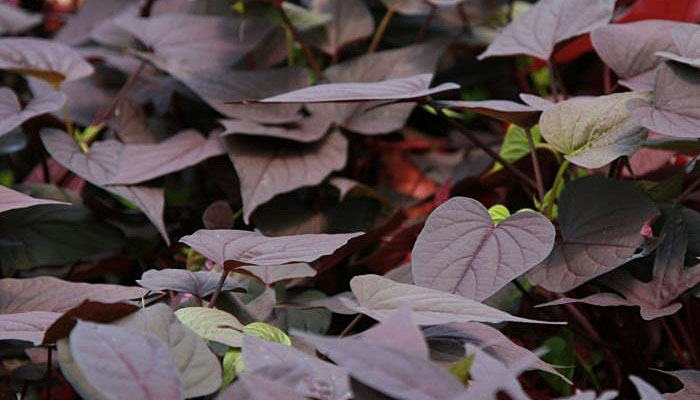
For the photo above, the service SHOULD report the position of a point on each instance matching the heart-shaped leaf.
(199, 283)
(51, 61)
(547, 23)
(199, 368)
(400, 333)
(600, 222)
(350, 21)
(270, 274)
(380, 298)
(243, 247)
(12, 200)
(267, 169)
(12, 114)
(124, 363)
(672, 111)
(256, 386)
(686, 37)
(212, 324)
(461, 250)
(628, 49)
(591, 132)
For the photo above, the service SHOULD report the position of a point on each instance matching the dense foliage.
(336, 199)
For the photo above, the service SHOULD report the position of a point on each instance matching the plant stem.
(67, 120)
(381, 28)
(555, 188)
(102, 116)
(687, 339)
(474, 139)
(351, 325)
(219, 286)
(297, 37)
(682, 360)
(426, 24)
(536, 166)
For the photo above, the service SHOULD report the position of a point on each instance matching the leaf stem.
(682, 360)
(105, 113)
(381, 29)
(297, 37)
(555, 188)
(428, 19)
(687, 339)
(474, 139)
(219, 286)
(536, 165)
(351, 325)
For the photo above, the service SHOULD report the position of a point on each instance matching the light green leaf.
(499, 213)
(591, 132)
(304, 19)
(267, 332)
(231, 366)
(516, 145)
(460, 369)
(212, 324)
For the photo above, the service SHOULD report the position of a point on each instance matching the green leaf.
(304, 19)
(212, 324)
(499, 213)
(460, 369)
(561, 352)
(516, 144)
(232, 366)
(53, 235)
(267, 332)
(315, 320)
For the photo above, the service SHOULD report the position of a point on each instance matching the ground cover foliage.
(337, 199)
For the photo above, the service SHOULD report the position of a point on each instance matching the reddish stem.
(682, 360)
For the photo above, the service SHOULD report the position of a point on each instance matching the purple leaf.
(93, 311)
(400, 333)
(199, 283)
(591, 395)
(218, 215)
(508, 111)
(672, 110)
(98, 166)
(537, 102)
(547, 23)
(252, 386)
(51, 294)
(350, 21)
(306, 130)
(44, 59)
(448, 342)
(195, 41)
(645, 390)
(91, 16)
(592, 132)
(381, 297)
(400, 89)
(124, 363)
(15, 20)
(398, 374)
(320, 379)
(12, 200)
(218, 87)
(691, 384)
(266, 169)
(685, 37)
(270, 274)
(628, 49)
(600, 221)
(131, 124)
(143, 162)
(199, 368)
(12, 114)
(243, 247)
(461, 250)
(27, 326)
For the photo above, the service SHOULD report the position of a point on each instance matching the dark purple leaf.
(308, 129)
(600, 221)
(92, 16)
(199, 367)
(142, 162)
(131, 124)
(218, 215)
(245, 247)
(547, 23)
(447, 341)
(400, 333)
(672, 110)
(199, 283)
(350, 21)
(270, 274)
(51, 294)
(125, 363)
(98, 166)
(218, 87)
(400, 89)
(15, 20)
(462, 250)
(508, 111)
(12, 114)
(266, 169)
(12, 200)
(592, 132)
(381, 297)
(319, 379)
(51, 61)
(195, 41)
(395, 373)
(628, 49)
(691, 384)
